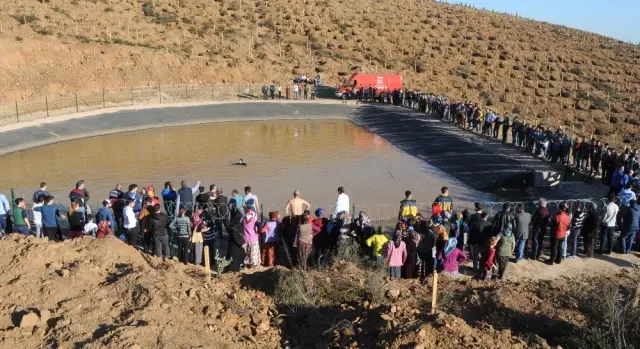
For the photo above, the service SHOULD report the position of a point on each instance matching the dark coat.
(502, 220)
(235, 251)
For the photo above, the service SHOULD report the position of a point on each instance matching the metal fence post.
(17, 113)
(103, 103)
(77, 102)
(160, 93)
(212, 93)
(186, 91)
(46, 103)
(131, 89)
(13, 199)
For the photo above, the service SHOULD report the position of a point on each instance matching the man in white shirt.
(342, 204)
(251, 200)
(130, 223)
(608, 225)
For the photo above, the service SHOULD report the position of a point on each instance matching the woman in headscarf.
(270, 230)
(235, 251)
(304, 240)
(487, 262)
(504, 249)
(396, 256)
(412, 241)
(425, 250)
(320, 236)
(452, 257)
(251, 241)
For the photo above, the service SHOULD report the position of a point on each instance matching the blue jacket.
(616, 179)
(104, 214)
(137, 206)
(631, 219)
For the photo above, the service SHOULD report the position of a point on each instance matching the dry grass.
(550, 74)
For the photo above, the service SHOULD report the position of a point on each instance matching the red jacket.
(563, 223)
(489, 262)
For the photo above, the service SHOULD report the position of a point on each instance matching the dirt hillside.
(587, 83)
(104, 294)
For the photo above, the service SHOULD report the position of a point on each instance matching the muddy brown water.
(314, 157)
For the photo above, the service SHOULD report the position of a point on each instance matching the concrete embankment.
(482, 162)
(34, 134)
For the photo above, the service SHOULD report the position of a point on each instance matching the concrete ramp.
(482, 162)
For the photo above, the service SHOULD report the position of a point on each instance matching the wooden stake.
(207, 267)
(434, 296)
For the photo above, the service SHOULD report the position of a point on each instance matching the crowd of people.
(235, 229)
(302, 88)
(589, 156)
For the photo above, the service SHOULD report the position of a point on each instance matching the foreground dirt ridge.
(104, 294)
(550, 74)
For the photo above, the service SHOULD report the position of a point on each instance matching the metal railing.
(53, 105)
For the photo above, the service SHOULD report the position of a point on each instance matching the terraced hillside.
(587, 83)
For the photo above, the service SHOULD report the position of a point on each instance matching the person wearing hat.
(504, 249)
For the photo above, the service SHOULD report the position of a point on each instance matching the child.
(197, 240)
(377, 242)
(270, 232)
(487, 262)
(252, 245)
(452, 256)
(90, 228)
(442, 237)
(182, 226)
(396, 256)
(504, 249)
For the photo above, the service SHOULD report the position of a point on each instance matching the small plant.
(24, 19)
(18, 38)
(221, 264)
(147, 9)
(108, 9)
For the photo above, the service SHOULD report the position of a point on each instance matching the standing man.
(479, 231)
(608, 225)
(630, 226)
(81, 194)
(296, 206)
(41, 191)
(523, 221)
(504, 219)
(21, 222)
(408, 207)
(251, 200)
(169, 197)
(221, 223)
(37, 216)
(137, 199)
(185, 196)
(342, 203)
(50, 216)
(444, 200)
(130, 223)
(540, 220)
(4, 209)
(116, 197)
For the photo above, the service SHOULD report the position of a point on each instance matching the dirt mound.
(103, 293)
(548, 73)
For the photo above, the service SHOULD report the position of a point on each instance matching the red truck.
(381, 82)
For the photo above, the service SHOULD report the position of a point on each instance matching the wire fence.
(53, 105)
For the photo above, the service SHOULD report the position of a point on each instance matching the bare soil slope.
(550, 74)
(104, 294)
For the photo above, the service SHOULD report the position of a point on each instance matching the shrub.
(147, 9)
(18, 38)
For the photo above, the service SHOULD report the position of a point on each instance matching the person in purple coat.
(453, 257)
